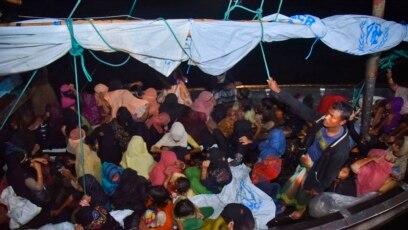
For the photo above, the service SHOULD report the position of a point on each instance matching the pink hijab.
(167, 161)
(150, 95)
(158, 122)
(123, 97)
(204, 103)
(66, 102)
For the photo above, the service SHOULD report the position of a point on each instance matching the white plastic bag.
(240, 190)
(328, 202)
(59, 226)
(120, 215)
(20, 210)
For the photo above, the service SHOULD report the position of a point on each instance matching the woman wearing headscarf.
(226, 125)
(177, 137)
(392, 117)
(103, 140)
(54, 120)
(194, 121)
(90, 109)
(204, 103)
(156, 126)
(131, 192)
(242, 143)
(120, 127)
(68, 96)
(178, 88)
(111, 174)
(137, 157)
(216, 172)
(171, 106)
(124, 119)
(41, 93)
(150, 95)
(25, 176)
(90, 163)
(122, 97)
(86, 187)
(399, 168)
(273, 146)
(92, 189)
(68, 103)
(167, 165)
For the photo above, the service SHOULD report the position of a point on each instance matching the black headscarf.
(172, 107)
(108, 147)
(219, 172)
(124, 117)
(94, 189)
(133, 128)
(242, 128)
(131, 192)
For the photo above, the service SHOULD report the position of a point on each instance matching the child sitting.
(188, 216)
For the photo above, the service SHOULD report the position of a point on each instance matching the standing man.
(327, 145)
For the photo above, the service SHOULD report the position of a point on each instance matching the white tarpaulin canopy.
(213, 46)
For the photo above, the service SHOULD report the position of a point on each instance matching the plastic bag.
(328, 202)
(20, 209)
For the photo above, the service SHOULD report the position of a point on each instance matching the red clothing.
(327, 102)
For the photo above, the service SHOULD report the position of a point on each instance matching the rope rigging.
(18, 99)
(258, 16)
(389, 61)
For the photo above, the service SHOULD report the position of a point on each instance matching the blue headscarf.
(275, 145)
(108, 171)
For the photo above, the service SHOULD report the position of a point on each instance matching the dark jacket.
(326, 168)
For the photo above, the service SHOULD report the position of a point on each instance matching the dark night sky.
(286, 59)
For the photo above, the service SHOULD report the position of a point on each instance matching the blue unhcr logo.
(247, 197)
(303, 19)
(372, 37)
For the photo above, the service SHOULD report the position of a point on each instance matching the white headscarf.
(176, 137)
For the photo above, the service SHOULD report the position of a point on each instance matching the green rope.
(258, 16)
(175, 37)
(108, 63)
(101, 37)
(132, 8)
(74, 9)
(265, 62)
(229, 9)
(279, 9)
(18, 100)
(357, 95)
(76, 49)
(108, 45)
(81, 144)
(389, 61)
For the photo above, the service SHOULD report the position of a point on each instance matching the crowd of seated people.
(152, 160)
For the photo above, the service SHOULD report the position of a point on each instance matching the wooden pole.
(370, 76)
